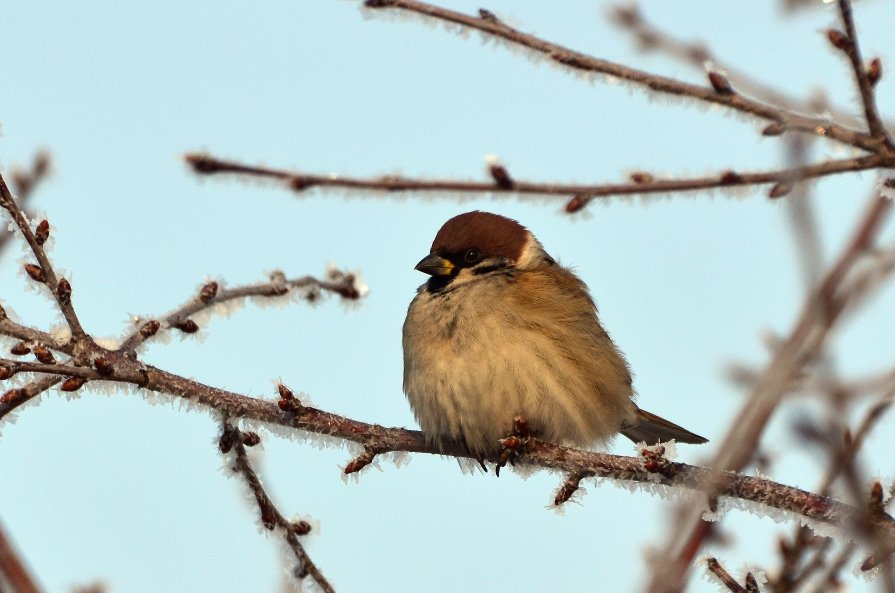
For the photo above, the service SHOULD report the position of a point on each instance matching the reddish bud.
(43, 355)
(250, 439)
(268, 517)
(20, 349)
(774, 129)
(779, 190)
(63, 291)
(6, 372)
(576, 203)
(13, 396)
(641, 177)
(652, 465)
(720, 83)
(838, 39)
(730, 178)
(347, 290)
(42, 233)
(208, 292)
(150, 328)
(299, 183)
(285, 392)
(357, 464)
(73, 383)
(225, 444)
(202, 163)
(501, 176)
(103, 366)
(301, 528)
(487, 15)
(874, 71)
(751, 583)
(36, 272)
(187, 326)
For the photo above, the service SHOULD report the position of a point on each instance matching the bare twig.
(868, 97)
(43, 272)
(341, 283)
(650, 82)
(25, 181)
(271, 517)
(822, 308)
(716, 569)
(652, 38)
(208, 165)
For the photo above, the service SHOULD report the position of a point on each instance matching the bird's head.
(476, 245)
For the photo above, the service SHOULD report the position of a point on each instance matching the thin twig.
(63, 297)
(208, 165)
(716, 569)
(271, 517)
(650, 82)
(24, 182)
(868, 96)
(650, 37)
(822, 309)
(342, 283)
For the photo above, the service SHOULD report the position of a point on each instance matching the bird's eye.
(472, 256)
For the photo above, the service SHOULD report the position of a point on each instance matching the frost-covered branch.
(824, 306)
(211, 296)
(717, 92)
(651, 37)
(728, 581)
(24, 182)
(577, 195)
(42, 272)
(765, 493)
(234, 442)
(865, 77)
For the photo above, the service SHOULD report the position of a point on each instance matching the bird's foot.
(513, 447)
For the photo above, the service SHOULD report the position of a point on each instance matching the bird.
(500, 329)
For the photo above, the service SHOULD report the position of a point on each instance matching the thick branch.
(540, 454)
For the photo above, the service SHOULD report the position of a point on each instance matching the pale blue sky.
(109, 487)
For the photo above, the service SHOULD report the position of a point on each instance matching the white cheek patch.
(532, 252)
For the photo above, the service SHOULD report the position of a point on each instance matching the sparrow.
(500, 330)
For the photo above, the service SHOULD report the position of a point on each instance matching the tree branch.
(866, 88)
(584, 193)
(271, 517)
(645, 80)
(43, 273)
(541, 454)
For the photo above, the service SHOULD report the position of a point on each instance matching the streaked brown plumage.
(501, 329)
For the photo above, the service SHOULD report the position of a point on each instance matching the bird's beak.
(435, 265)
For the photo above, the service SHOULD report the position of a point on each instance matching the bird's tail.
(652, 429)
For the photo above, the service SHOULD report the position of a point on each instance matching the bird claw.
(513, 447)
